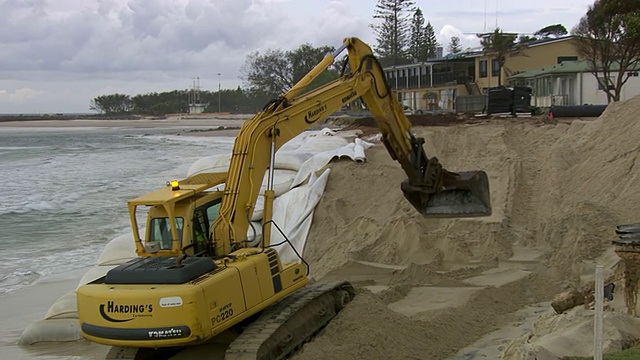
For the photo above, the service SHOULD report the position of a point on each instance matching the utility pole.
(219, 92)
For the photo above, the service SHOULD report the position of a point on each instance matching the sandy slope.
(557, 194)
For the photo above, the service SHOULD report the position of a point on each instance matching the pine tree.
(417, 43)
(500, 46)
(392, 33)
(454, 45)
(431, 42)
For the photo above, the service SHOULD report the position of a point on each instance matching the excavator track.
(286, 326)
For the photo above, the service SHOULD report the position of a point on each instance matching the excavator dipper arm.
(432, 190)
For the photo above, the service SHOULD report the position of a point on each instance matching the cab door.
(203, 217)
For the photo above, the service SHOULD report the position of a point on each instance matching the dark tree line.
(266, 75)
(176, 101)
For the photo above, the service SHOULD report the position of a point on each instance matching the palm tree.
(501, 46)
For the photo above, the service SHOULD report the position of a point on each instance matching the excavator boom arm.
(432, 190)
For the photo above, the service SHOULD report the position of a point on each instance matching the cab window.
(203, 218)
(160, 231)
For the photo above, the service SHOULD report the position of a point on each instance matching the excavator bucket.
(463, 194)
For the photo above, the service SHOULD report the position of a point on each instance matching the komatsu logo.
(165, 333)
(314, 114)
(349, 96)
(136, 310)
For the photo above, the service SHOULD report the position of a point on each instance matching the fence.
(470, 104)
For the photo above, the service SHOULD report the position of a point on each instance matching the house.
(528, 56)
(436, 83)
(572, 83)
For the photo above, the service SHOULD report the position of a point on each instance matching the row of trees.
(176, 101)
(267, 75)
(402, 34)
(608, 37)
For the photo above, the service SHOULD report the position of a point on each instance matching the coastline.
(227, 120)
(27, 305)
(201, 127)
(30, 304)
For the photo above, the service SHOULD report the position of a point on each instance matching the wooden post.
(598, 313)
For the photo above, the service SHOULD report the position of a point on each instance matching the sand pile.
(375, 223)
(554, 336)
(559, 190)
(368, 329)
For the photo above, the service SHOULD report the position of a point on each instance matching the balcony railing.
(424, 81)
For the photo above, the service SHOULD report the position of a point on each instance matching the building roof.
(565, 67)
(461, 55)
(548, 41)
(467, 54)
(474, 53)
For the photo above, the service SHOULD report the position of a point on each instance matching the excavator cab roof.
(180, 189)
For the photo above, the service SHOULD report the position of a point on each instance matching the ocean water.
(64, 191)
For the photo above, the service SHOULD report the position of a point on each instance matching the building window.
(602, 81)
(567, 58)
(483, 68)
(495, 67)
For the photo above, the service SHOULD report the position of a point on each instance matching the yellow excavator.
(199, 274)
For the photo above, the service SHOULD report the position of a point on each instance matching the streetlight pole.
(219, 92)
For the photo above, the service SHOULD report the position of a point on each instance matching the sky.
(57, 55)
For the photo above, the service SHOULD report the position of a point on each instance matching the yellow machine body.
(152, 315)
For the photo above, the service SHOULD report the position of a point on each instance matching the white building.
(571, 83)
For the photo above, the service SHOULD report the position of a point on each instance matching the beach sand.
(25, 306)
(213, 126)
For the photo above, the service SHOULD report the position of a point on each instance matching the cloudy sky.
(56, 55)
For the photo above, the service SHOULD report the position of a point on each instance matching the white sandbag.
(293, 212)
(54, 330)
(258, 210)
(282, 180)
(358, 150)
(119, 250)
(291, 160)
(318, 143)
(95, 273)
(301, 148)
(375, 137)
(354, 151)
(66, 307)
(312, 165)
(213, 163)
(327, 132)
